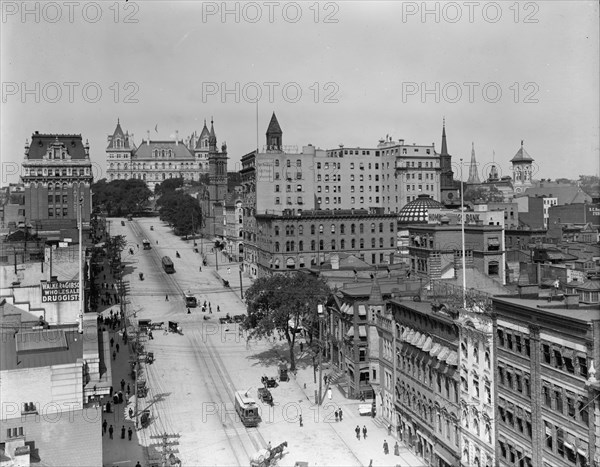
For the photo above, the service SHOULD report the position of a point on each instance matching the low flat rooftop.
(583, 312)
(40, 348)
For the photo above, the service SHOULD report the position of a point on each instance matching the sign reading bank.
(65, 291)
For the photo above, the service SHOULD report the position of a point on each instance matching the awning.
(346, 308)
(415, 338)
(362, 311)
(445, 455)
(452, 358)
(444, 353)
(568, 445)
(421, 342)
(350, 332)
(362, 331)
(404, 334)
(410, 336)
(428, 344)
(581, 452)
(435, 350)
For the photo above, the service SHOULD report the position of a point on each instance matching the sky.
(334, 73)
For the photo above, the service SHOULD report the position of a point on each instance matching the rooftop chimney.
(176, 137)
(148, 141)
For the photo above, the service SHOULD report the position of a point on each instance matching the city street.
(194, 376)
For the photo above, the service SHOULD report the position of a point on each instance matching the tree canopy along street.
(283, 304)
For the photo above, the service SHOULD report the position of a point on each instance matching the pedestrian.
(120, 397)
(167, 298)
(300, 418)
(114, 355)
(129, 433)
(371, 463)
(325, 380)
(389, 430)
(200, 268)
(188, 311)
(340, 412)
(112, 341)
(329, 393)
(218, 309)
(396, 449)
(117, 347)
(357, 431)
(301, 347)
(336, 416)
(386, 449)
(123, 432)
(108, 409)
(122, 384)
(130, 413)
(364, 432)
(150, 336)
(128, 389)
(110, 431)
(138, 464)
(104, 425)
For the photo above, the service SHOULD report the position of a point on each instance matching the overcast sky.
(498, 72)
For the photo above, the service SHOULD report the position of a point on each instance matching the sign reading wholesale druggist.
(67, 291)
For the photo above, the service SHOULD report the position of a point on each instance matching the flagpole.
(462, 231)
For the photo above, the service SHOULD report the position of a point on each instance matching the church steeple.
(473, 173)
(274, 134)
(212, 139)
(444, 145)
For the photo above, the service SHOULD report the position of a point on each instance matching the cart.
(145, 418)
(142, 389)
(265, 396)
(268, 382)
(150, 357)
(144, 324)
(174, 327)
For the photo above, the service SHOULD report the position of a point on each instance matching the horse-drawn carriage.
(268, 382)
(268, 457)
(174, 327)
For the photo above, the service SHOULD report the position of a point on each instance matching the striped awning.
(350, 332)
(421, 342)
(362, 331)
(415, 338)
(362, 311)
(428, 344)
(444, 353)
(452, 359)
(436, 349)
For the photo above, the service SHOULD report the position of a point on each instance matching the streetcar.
(247, 409)
(167, 265)
(190, 300)
(146, 244)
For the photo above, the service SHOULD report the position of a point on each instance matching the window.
(342, 229)
(288, 163)
(298, 163)
(14, 432)
(372, 227)
(558, 363)
(312, 229)
(546, 352)
(558, 399)
(361, 228)
(332, 228)
(500, 338)
(276, 188)
(583, 369)
(352, 229)
(571, 407)
(547, 397)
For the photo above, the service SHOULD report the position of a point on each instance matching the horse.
(277, 451)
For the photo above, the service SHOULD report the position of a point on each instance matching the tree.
(281, 303)
(170, 184)
(489, 194)
(181, 211)
(589, 183)
(120, 197)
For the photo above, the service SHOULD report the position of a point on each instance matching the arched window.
(312, 229)
(320, 228)
(372, 243)
(312, 245)
(353, 243)
(352, 229)
(276, 230)
(320, 245)
(361, 228)
(300, 245)
(342, 244)
(276, 247)
(342, 229)
(333, 244)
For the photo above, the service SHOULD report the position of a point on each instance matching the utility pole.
(319, 314)
(165, 444)
(241, 287)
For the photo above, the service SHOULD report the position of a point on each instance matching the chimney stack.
(148, 141)
(176, 137)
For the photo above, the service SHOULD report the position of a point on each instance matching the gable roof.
(522, 155)
(565, 194)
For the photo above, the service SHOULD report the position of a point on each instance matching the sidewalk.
(118, 451)
(364, 449)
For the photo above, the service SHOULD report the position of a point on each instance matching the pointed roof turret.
(203, 135)
(212, 140)
(473, 173)
(274, 127)
(522, 155)
(444, 145)
(118, 130)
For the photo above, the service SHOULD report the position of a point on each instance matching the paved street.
(194, 376)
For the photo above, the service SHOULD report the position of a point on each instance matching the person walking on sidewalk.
(104, 425)
(123, 432)
(129, 433)
(336, 416)
(340, 412)
(130, 413)
(357, 431)
(117, 347)
(300, 418)
(167, 298)
(112, 341)
(114, 355)
(110, 431)
(396, 449)
(386, 449)
(122, 384)
(364, 432)
(389, 430)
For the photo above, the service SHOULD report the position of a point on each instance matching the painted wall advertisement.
(60, 291)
